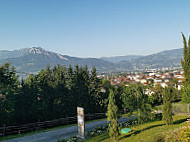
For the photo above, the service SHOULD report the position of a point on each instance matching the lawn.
(148, 132)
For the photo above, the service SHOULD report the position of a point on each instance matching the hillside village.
(166, 79)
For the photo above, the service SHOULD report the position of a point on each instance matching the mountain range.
(117, 59)
(31, 60)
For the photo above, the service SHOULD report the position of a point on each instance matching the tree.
(52, 93)
(95, 89)
(134, 99)
(185, 62)
(167, 106)
(186, 94)
(8, 89)
(175, 82)
(112, 114)
(151, 82)
(157, 97)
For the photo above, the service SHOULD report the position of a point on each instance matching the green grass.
(45, 130)
(148, 132)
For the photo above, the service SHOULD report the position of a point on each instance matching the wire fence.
(178, 108)
(11, 130)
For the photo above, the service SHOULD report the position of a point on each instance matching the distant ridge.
(31, 60)
(117, 59)
(36, 58)
(164, 59)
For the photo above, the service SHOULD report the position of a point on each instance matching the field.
(149, 132)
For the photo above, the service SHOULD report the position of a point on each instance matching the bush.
(98, 131)
(70, 139)
(184, 134)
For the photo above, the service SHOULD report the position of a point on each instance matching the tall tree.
(8, 89)
(167, 105)
(185, 62)
(112, 115)
(186, 94)
(95, 90)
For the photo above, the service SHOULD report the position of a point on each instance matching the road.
(64, 133)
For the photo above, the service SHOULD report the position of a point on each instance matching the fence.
(180, 108)
(10, 130)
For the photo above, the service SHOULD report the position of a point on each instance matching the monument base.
(80, 137)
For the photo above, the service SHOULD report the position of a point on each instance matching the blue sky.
(94, 28)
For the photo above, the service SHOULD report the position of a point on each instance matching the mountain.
(31, 60)
(164, 59)
(34, 59)
(117, 59)
(124, 65)
(4, 54)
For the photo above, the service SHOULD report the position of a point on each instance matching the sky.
(94, 28)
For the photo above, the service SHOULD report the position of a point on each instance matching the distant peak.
(38, 50)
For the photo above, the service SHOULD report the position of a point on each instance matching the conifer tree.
(112, 114)
(186, 61)
(167, 106)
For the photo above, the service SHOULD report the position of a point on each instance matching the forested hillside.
(52, 93)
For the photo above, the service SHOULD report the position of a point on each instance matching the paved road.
(51, 136)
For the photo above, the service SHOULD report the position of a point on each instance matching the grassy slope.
(149, 132)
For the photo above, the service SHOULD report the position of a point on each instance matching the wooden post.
(4, 130)
(125, 110)
(67, 120)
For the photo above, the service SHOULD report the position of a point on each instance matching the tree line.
(52, 93)
(57, 92)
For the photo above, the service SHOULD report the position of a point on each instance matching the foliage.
(175, 82)
(186, 94)
(134, 99)
(70, 139)
(185, 62)
(52, 93)
(8, 88)
(157, 97)
(151, 82)
(98, 131)
(112, 114)
(167, 106)
(184, 134)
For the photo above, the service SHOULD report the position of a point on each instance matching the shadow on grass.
(139, 131)
(180, 121)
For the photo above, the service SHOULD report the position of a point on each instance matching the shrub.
(184, 134)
